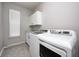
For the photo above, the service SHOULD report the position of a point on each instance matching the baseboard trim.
(14, 44)
(1, 51)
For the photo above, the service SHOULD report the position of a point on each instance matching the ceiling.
(29, 5)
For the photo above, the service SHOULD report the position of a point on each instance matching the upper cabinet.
(36, 18)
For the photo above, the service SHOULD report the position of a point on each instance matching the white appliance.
(33, 42)
(27, 40)
(53, 43)
(33, 46)
(57, 43)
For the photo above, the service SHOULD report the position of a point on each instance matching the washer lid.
(58, 40)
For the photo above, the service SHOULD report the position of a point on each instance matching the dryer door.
(47, 50)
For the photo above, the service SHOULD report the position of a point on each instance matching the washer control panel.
(64, 32)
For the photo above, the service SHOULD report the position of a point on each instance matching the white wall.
(24, 23)
(1, 28)
(60, 15)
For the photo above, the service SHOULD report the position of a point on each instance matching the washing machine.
(57, 43)
(33, 42)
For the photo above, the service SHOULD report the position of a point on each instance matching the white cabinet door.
(36, 18)
(34, 46)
